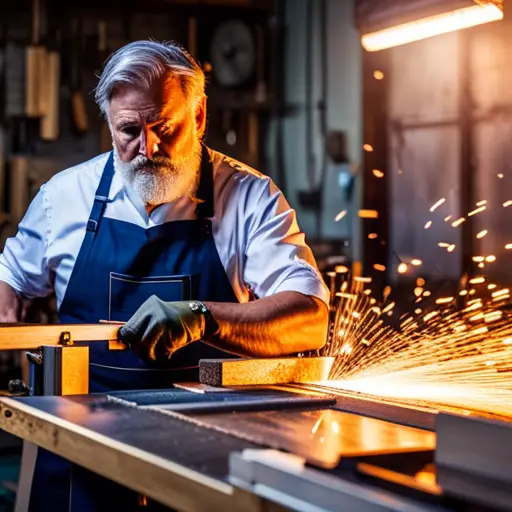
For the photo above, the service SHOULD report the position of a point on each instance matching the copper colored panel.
(322, 436)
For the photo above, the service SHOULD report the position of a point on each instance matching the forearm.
(9, 304)
(279, 325)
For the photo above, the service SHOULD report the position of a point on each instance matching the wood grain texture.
(254, 372)
(31, 336)
(159, 478)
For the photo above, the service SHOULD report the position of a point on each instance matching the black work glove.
(158, 328)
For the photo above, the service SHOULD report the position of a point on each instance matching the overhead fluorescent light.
(432, 26)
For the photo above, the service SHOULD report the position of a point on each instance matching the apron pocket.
(128, 293)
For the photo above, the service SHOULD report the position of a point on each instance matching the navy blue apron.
(119, 266)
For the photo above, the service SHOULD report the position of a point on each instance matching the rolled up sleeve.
(277, 256)
(23, 262)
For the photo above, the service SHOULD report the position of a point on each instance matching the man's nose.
(149, 142)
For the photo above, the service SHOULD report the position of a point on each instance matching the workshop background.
(363, 144)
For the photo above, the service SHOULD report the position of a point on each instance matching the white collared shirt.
(255, 231)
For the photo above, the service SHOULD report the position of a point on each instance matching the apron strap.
(204, 208)
(101, 196)
(98, 208)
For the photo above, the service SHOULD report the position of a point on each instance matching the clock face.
(232, 53)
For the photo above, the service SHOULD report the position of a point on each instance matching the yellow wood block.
(253, 372)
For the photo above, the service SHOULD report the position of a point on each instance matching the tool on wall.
(35, 68)
(49, 127)
(103, 53)
(79, 117)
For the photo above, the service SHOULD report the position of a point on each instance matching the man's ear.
(201, 116)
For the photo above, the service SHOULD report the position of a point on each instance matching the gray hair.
(143, 63)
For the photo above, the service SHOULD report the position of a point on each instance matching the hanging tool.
(78, 107)
(103, 53)
(35, 68)
(49, 128)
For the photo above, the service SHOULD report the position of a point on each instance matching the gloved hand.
(158, 328)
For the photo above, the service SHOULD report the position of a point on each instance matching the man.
(144, 233)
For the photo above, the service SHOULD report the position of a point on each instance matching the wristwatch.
(211, 327)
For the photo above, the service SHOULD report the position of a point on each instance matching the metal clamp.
(65, 339)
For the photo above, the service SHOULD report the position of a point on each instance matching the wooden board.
(254, 372)
(32, 336)
(146, 457)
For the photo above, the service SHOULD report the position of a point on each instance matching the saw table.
(194, 449)
(255, 435)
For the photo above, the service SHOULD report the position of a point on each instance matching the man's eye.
(132, 131)
(162, 128)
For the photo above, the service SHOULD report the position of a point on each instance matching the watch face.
(197, 307)
(233, 53)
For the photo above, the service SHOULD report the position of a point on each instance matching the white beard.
(161, 180)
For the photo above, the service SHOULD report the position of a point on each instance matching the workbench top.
(174, 446)
(143, 450)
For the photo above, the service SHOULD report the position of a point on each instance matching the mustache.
(141, 161)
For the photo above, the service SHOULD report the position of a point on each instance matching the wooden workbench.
(148, 457)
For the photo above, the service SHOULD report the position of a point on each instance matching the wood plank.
(32, 336)
(159, 478)
(254, 372)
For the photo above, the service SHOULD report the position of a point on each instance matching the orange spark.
(437, 204)
(402, 268)
(478, 210)
(340, 215)
(368, 214)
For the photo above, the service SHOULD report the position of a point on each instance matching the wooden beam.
(254, 372)
(32, 336)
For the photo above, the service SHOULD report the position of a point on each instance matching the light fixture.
(454, 16)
